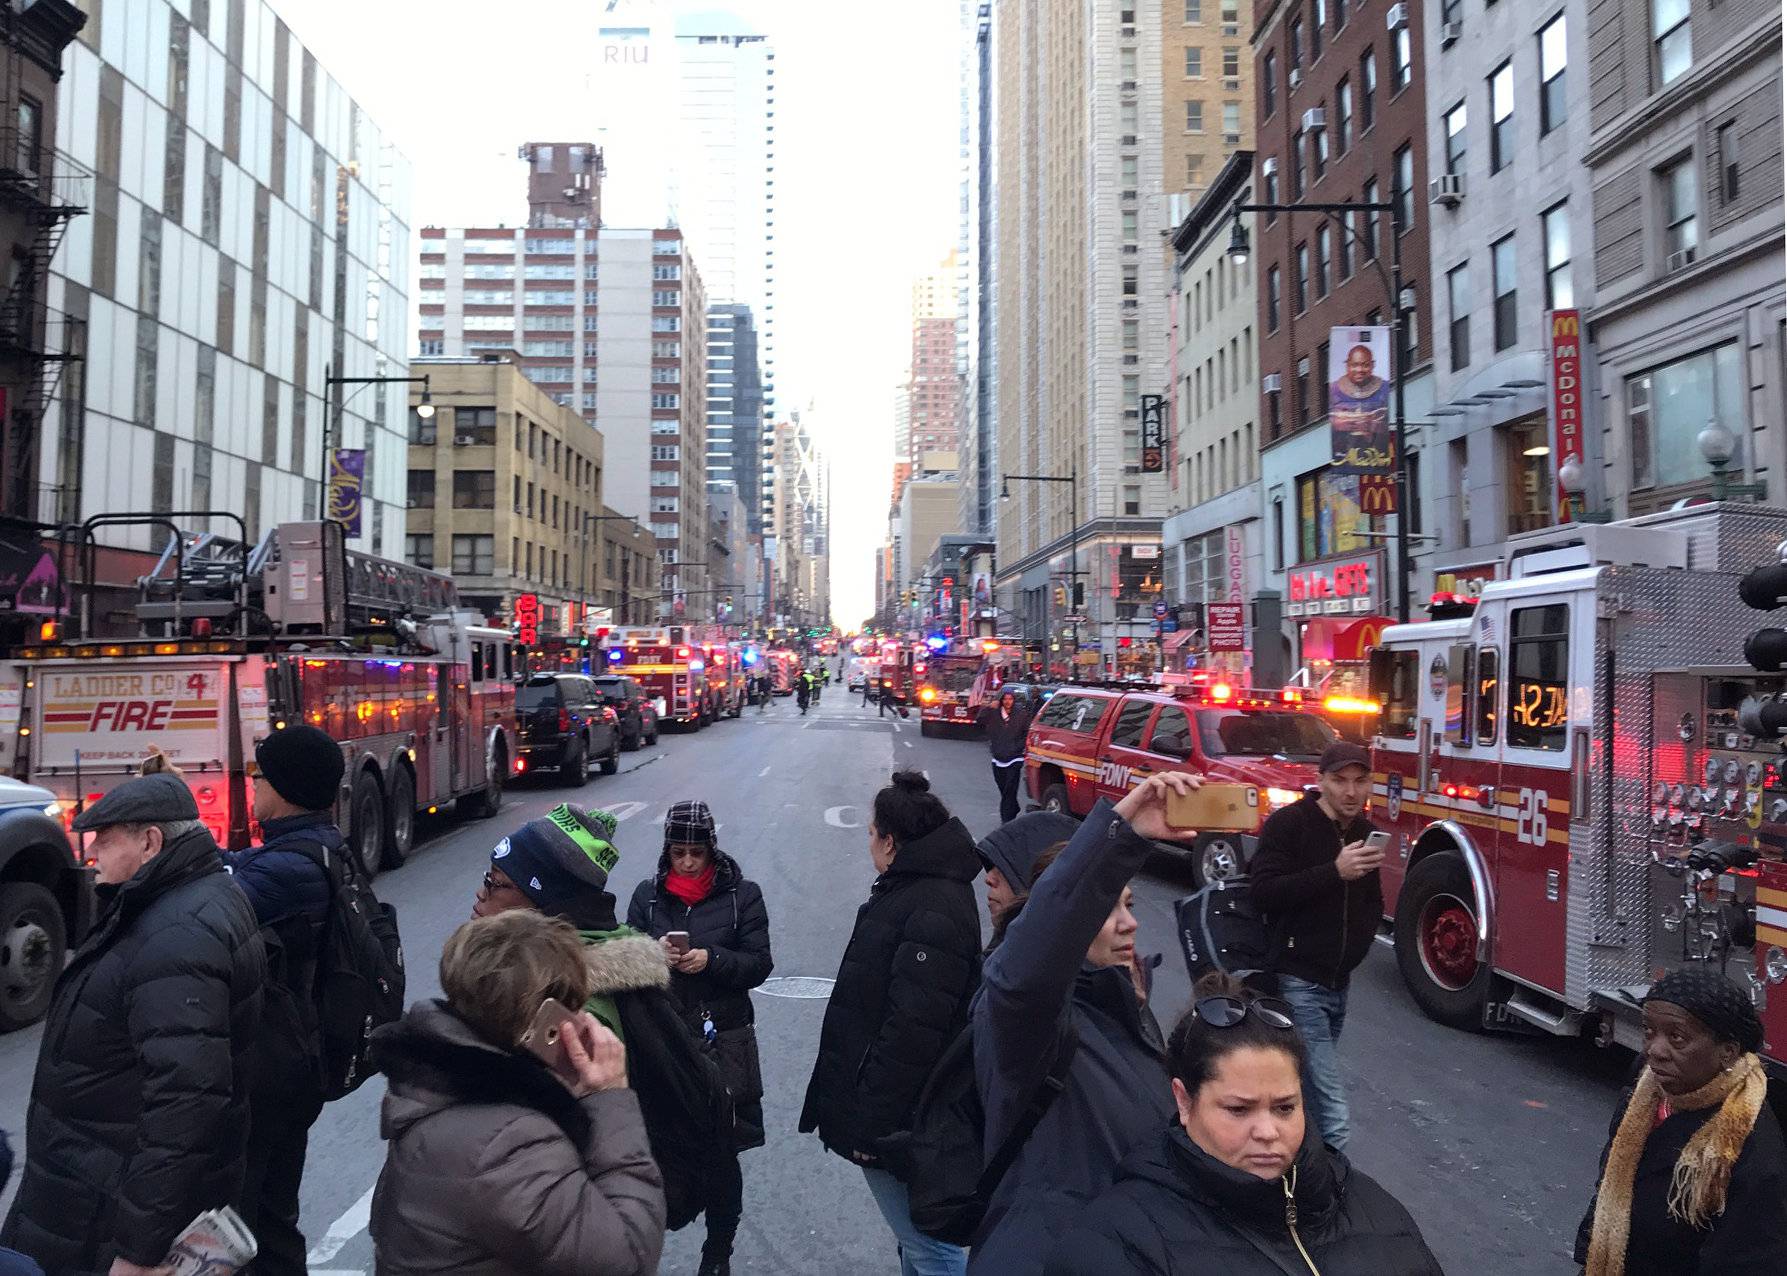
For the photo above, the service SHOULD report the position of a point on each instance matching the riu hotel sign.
(1566, 397)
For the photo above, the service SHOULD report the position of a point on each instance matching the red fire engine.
(668, 661)
(947, 687)
(237, 641)
(1580, 796)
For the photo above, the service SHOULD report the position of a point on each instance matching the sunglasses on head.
(1226, 1012)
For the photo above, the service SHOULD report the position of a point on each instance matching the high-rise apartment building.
(979, 456)
(1206, 89)
(577, 301)
(1075, 259)
(934, 382)
(801, 571)
(248, 237)
(735, 407)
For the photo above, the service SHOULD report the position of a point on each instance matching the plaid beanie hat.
(560, 860)
(689, 821)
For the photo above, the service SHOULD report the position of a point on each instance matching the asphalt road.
(1490, 1141)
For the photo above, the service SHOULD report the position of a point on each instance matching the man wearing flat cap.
(297, 773)
(139, 1110)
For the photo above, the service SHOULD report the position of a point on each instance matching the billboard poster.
(347, 478)
(1566, 398)
(1359, 404)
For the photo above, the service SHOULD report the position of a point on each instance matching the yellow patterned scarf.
(1702, 1172)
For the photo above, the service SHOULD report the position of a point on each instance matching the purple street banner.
(1359, 402)
(347, 480)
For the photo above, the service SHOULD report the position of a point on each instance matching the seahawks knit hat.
(561, 861)
(1713, 999)
(689, 821)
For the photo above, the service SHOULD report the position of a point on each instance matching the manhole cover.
(803, 987)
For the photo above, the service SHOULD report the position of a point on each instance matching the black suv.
(46, 901)
(638, 715)
(564, 722)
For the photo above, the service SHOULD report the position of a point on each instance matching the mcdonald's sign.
(1377, 493)
(1566, 397)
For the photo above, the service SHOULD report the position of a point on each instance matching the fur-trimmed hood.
(624, 960)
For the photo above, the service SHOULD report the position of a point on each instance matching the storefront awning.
(1177, 639)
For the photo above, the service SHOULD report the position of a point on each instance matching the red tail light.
(564, 719)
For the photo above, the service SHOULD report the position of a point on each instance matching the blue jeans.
(1320, 1013)
(920, 1255)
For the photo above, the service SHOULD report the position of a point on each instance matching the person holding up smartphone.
(1315, 877)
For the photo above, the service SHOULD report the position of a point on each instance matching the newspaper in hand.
(216, 1243)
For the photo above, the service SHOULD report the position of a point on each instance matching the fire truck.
(727, 689)
(1089, 742)
(236, 641)
(1581, 792)
(670, 663)
(783, 665)
(947, 691)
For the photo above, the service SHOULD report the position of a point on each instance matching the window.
(1194, 116)
(1128, 224)
(1344, 245)
(1127, 733)
(1403, 196)
(1194, 63)
(1681, 209)
(1396, 683)
(1294, 51)
(1343, 116)
(474, 489)
(1539, 678)
(1667, 408)
(1297, 165)
(1367, 90)
(421, 429)
(1553, 58)
(1559, 294)
(1194, 170)
(1171, 736)
(666, 400)
(1372, 196)
(418, 549)
(1411, 329)
(1231, 117)
(1402, 63)
(1324, 250)
(1231, 61)
(1488, 693)
(1458, 297)
(1318, 153)
(1725, 144)
(421, 490)
(1268, 85)
(30, 139)
(1274, 295)
(1526, 453)
(1277, 528)
(1194, 11)
(1231, 11)
(1670, 35)
(474, 555)
(1502, 271)
(1301, 388)
(1501, 117)
(1318, 18)
(474, 426)
(1455, 139)
(1301, 282)
(1128, 172)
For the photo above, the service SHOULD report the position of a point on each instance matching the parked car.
(46, 901)
(638, 715)
(564, 722)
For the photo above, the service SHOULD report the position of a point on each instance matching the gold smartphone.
(1214, 808)
(544, 1037)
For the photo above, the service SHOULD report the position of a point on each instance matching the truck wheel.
(1436, 942)
(652, 739)
(1217, 857)
(611, 763)
(632, 742)
(1054, 798)
(400, 819)
(574, 770)
(33, 948)
(488, 800)
(366, 820)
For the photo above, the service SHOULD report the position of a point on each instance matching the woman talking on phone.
(515, 1144)
(715, 933)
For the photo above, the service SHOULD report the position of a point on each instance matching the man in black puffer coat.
(139, 1110)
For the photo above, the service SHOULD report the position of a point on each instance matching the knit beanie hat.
(1714, 1000)
(689, 821)
(303, 764)
(561, 860)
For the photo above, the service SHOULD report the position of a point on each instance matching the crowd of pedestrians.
(584, 1085)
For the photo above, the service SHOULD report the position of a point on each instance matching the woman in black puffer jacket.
(701, 891)
(1239, 1183)
(901, 996)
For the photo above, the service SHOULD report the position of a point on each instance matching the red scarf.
(691, 890)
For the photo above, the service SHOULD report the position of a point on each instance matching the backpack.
(359, 971)
(1221, 929)
(949, 1179)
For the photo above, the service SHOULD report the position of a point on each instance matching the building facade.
(799, 550)
(249, 238)
(1684, 156)
(933, 401)
(735, 406)
(979, 452)
(1206, 76)
(1341, 92)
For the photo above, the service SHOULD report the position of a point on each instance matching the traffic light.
(1765, 716)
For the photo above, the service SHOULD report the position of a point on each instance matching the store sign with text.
(1154, 434)
(527, 618)
(1225, 627)
(1351, 586)
(1566, 397)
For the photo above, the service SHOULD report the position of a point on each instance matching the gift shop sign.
(1338, 587)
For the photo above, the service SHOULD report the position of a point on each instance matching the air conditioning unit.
(410, 505)
(1271, 383)
(1296, 78)
(1397, 18)
(1315, 119)
(1450, 34)
(1231, 139)
(1127, 86)
(1681, 258)
(1231, 28)
(1268, 166)
(1232, 85)
(463, 440)
(1128, 139)
(1446, 190)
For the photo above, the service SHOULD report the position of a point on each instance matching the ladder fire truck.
(1583, 789)
(236, 641)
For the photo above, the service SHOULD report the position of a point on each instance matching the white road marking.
(908, 744)
(763, 773)
(623, 810)
(834, 816)
(342, 1230)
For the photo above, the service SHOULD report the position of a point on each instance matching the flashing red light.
(201, 628)
(1222, 692)
(520, 765)
(989, 646)
(682, 653)
(1291, 695)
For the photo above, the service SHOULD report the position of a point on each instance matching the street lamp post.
(1719, 445)
(1341, 214)
(337, 404)
(1072, 479)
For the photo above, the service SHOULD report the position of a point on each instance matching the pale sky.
(867, 177)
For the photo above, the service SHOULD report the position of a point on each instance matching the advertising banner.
(1363, 441)
(1566, 397)
(1234, 558)
(347, 480)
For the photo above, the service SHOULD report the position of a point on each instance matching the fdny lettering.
(130, 715)
(1113, 775)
